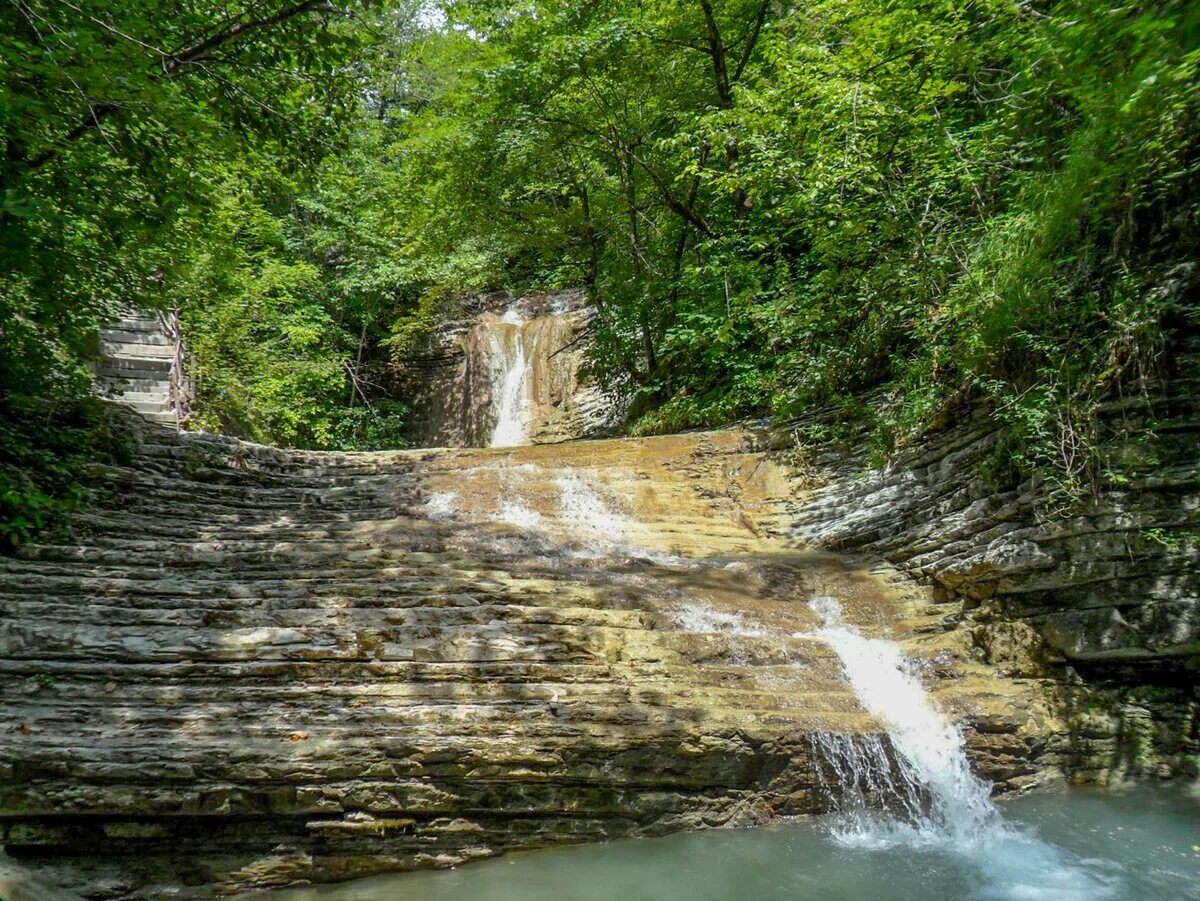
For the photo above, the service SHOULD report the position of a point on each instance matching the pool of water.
(1134, 846)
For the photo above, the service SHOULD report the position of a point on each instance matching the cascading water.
(566, 522)
(929, 749)
(701, 618)
(923, 776)
(588, 517)
(440, 505)
(511, 372)
(510, 367)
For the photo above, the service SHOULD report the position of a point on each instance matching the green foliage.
(119, 123)
(292, 304)
(44, 451)
(775, 209)
(783, 208)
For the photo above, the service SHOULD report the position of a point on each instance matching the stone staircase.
(137, 359)
(250, 667)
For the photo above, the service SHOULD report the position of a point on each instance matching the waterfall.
(923, 775)
(510, 372)
(930, 750)
(510, 368)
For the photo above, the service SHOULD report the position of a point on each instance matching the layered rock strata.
(250, 667)
(1103, 590)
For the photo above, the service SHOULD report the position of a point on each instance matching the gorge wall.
(250, 667)
(1104, 592)
(506, 371)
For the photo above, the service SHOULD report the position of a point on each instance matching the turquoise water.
(1128, 847)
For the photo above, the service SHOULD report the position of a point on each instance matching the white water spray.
(587, 513)
(701, 619)
(510, 369)
(930, 749)
(440, 505)
(596, 525)
(926, 779)
(516, 514)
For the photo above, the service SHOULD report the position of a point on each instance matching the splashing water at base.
(1144, 836)
(927, 780)
(440, 505)
(930, 749)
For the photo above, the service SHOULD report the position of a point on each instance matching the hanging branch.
(173, 64)
(751, 40)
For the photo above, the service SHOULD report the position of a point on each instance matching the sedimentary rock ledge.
(248, 668)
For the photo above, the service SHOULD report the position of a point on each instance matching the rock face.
(1105, 591)
(18, 884)
(250, 667)
(510, 359)
(1114, 581)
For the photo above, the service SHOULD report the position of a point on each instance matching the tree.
(778, 208)
(116, 122)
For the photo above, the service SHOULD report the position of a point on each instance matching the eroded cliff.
(1100, 589)
(505, 371)
(251, 667)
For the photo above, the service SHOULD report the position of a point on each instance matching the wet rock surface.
(456, 377)
(1101, 590)
(250, 667)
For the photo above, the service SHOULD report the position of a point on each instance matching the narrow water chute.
(510, 368)
(921, 772)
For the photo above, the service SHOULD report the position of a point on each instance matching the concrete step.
(149, 403)
(131, 351)
(138, 323)
(124, 335)
(166, 418)
(130, 378)
(134, 369)
(123, 363)
(135, 389)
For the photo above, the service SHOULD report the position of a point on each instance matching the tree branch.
(725, 98)
(751, 40)
(175, 61)
(716, 50)
(173, 64)
(680, 209)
